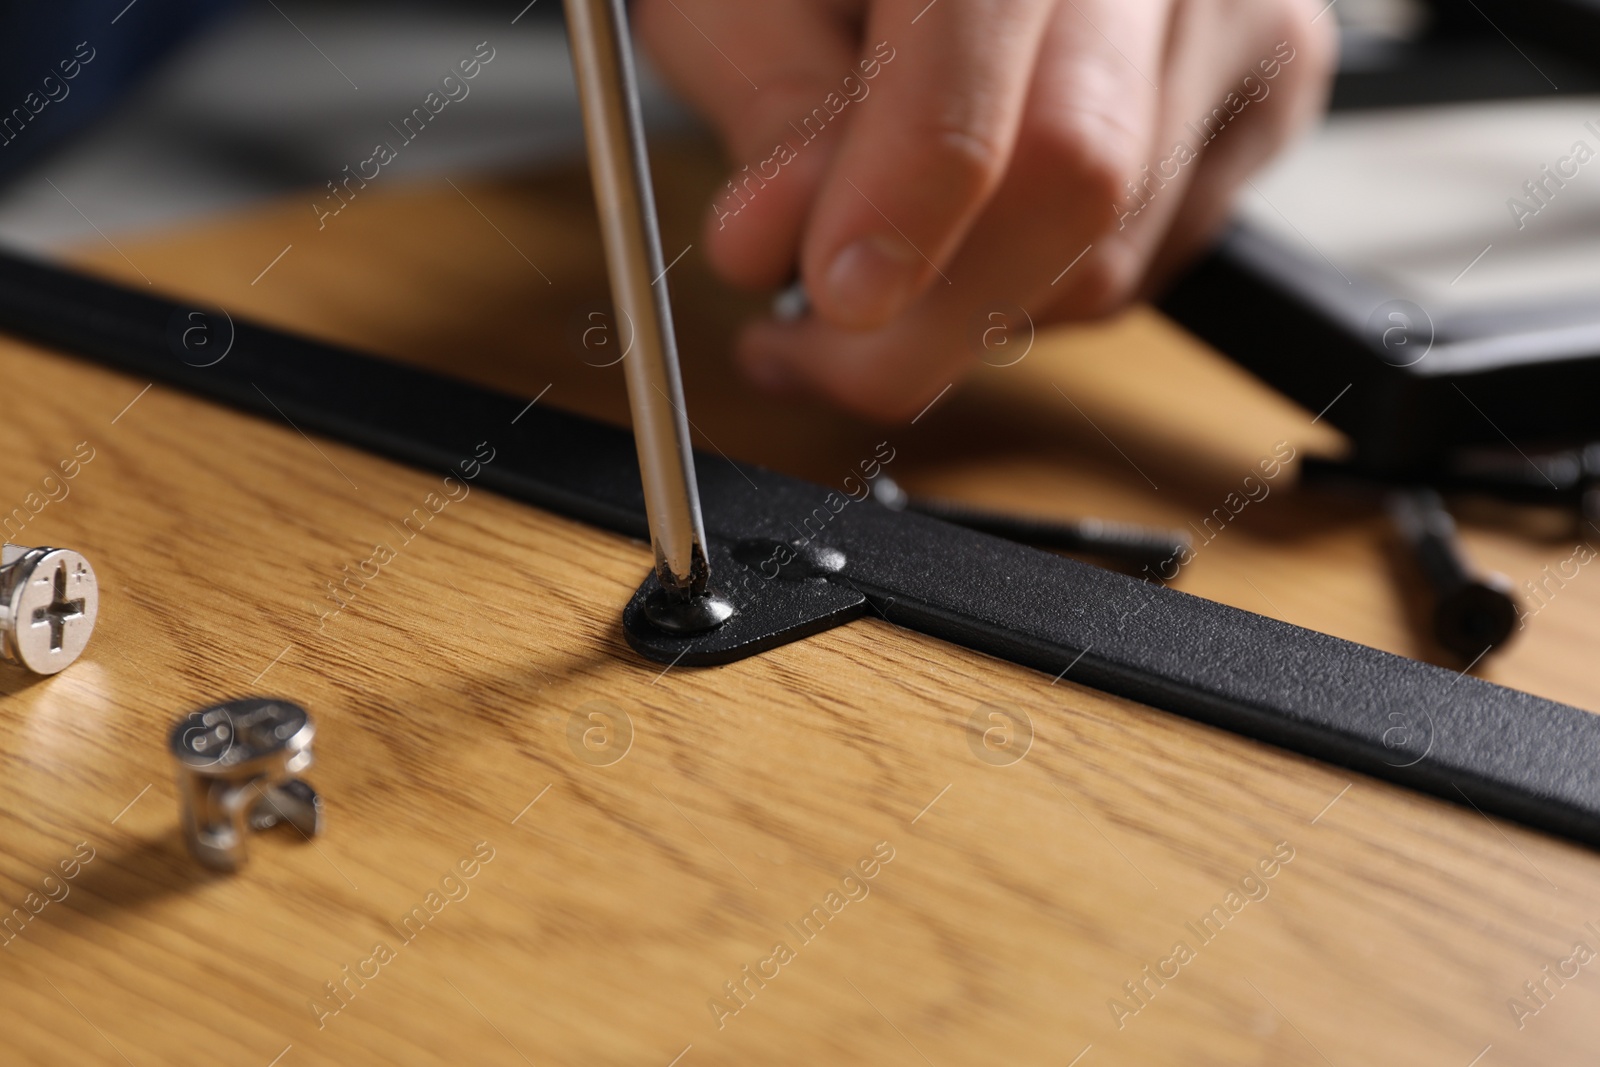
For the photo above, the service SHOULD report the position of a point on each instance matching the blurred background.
(194, 106)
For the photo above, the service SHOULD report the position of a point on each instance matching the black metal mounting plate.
(768, 612)
(1507, 752)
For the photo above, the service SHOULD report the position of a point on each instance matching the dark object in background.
(132, 39)
(1308, 333)
(1526, 370)
(1455, 52)
(66, 62)
(1568, 30)
(1472, 614)
(1567, 478)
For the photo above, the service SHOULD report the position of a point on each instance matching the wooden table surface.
(622, 889)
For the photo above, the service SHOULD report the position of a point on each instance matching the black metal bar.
(1511, 753)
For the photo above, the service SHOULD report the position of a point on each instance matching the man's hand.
(925, 163)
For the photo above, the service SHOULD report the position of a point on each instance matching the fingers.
(919, 162)
(1088, 125)
(753, 69)
(1084, 149)
(1286, 82)
(1119, 152)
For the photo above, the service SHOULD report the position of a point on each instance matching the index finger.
(920, 162)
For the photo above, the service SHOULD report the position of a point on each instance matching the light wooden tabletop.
(798, 859)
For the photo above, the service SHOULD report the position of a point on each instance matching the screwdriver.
(608, 88)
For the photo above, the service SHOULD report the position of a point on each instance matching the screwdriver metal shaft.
(608, 88)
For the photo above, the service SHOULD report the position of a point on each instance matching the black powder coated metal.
(1507, 752)
(1306, 330)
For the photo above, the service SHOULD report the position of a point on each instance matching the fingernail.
(871, 281)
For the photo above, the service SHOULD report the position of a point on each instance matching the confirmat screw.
(793, 304)
(236, 772)
(1122, 542)
(48, 603)
(1471, 613)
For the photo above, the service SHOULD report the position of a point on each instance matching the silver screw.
(48, 603)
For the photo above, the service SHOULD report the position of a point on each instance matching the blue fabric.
(42, 42)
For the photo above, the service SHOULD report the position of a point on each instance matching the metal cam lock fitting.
(48, 603)
(236, 768)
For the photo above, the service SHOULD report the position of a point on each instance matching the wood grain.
(632, 878)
